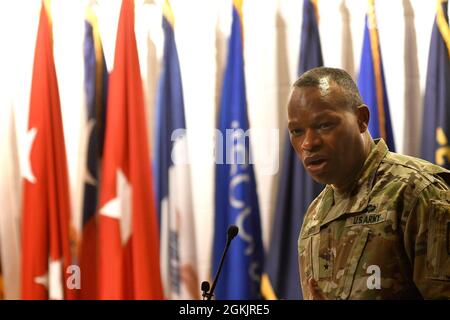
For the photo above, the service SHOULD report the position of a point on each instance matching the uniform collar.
(358, 198)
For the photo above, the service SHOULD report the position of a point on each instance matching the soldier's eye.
(296, 132)
(326, 125)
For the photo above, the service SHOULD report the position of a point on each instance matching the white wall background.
(272, 36)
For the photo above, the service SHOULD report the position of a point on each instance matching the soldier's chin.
(320, 178)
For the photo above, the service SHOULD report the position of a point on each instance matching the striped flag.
(371, 81)
(178, 246)
(296, 188)
(236, 199)
(436, 110)
(46, 248)
(129, 264)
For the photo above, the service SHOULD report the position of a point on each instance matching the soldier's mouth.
(315, 165)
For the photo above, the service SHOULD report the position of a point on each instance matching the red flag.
(129, 241)
(46, 253)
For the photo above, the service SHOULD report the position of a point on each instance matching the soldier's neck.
(347, 185)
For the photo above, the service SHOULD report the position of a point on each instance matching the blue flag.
(436, 110)
(296, 188)
(177, 232)
(371, 82)
(95, 85)
(236, 200)
(170, 112)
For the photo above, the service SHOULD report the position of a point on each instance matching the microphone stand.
(210, 294)
(231, 233)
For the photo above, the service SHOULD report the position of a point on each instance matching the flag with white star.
(128, 228)
(46, 249)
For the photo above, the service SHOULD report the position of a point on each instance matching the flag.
(371, 82)
(2, 291)
(436, 111)
(129, 264)
(236, 200)
(46, 248)
(412, 95)
(296, 188)
(347, 60)
(178, 246)
(10, 200)
(95, 84)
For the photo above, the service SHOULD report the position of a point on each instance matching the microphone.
(205, 289)
(231, 234)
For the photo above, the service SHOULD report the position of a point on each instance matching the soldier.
(381, 227)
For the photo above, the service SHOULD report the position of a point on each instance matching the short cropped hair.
(312, 77)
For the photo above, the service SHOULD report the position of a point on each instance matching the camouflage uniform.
(396, 218)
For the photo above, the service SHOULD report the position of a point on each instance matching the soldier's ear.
(363, 116)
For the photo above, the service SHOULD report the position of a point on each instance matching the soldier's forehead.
(324, 85)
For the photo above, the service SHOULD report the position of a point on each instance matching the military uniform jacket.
(388, 238)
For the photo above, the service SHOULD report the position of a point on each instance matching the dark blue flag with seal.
(236, 200)
(436, 110)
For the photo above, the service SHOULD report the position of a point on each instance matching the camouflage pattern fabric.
(388, 238)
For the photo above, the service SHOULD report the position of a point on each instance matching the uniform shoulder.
(419, 169)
